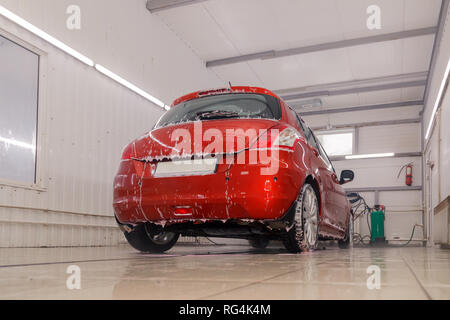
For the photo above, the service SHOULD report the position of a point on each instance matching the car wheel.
(259, 243)
(304, 234)
(345, 243)
(149, 238)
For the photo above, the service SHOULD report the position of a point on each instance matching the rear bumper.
(234, 192)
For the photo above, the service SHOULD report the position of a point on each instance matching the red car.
(236, 163)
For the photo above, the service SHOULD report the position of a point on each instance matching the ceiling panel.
(416, 93)
(420, 13)
(376, 60)
(308, 69)
(378, 97)
(417, 53)
(259, 25)
(194, 25)
(238, 74)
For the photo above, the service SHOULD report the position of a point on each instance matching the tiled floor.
(218, 272)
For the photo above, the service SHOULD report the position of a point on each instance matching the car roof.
(220, 91)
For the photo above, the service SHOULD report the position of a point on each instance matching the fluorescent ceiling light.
(17, 143)
(438, 100)
(129, 85)
(369, 156)
(33, 29)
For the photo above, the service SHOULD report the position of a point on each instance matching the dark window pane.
(251, 106)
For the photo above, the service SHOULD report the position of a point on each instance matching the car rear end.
(158, 182)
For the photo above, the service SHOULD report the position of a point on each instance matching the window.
(226, 106)
(19, 71)
(300, 122)
(311, 139)
(338, 142)
(307, 132)
(325, 158)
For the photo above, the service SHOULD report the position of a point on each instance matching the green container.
(377, 226)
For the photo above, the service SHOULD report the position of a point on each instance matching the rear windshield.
(227, 106)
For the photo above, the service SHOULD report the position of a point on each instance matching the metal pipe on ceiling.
(272, 54)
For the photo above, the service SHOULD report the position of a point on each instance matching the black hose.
(410, 239)
(360, 239)
(360, 208)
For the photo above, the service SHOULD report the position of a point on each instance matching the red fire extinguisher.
(409, 175)
(408, 170)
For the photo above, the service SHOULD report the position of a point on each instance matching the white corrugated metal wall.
(85, 119)
(88, 120)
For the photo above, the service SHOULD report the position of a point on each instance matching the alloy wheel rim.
(308, 214)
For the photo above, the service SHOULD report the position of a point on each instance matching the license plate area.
(185, 168)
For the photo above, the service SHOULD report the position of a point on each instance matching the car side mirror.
(346, 176)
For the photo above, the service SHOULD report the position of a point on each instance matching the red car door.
(338, 197)
(343, 209)
(326, 178)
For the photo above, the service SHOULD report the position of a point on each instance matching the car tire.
(259, 243)
(345, 243)
(304, 233)
(146, 238)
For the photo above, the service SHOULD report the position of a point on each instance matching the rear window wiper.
(217, 114)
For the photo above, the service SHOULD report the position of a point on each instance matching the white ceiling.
(217, 29)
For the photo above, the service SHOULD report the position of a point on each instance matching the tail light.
(280, 136)
(287, 138)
